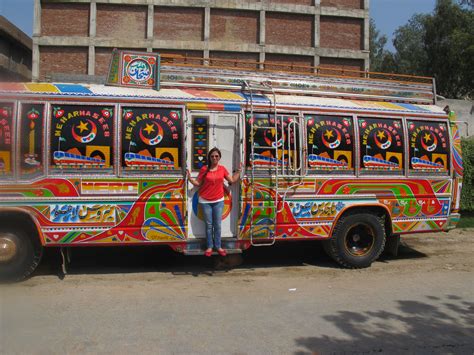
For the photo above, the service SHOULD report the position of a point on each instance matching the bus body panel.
(121, 210)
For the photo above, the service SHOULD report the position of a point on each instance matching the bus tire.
(357, 240)
(20, 254)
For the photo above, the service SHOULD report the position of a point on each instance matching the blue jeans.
(213, 218)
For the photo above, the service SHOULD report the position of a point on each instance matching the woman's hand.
(236, 176)
(191, 180)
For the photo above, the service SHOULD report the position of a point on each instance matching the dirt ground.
(452, 250)
(289, 298)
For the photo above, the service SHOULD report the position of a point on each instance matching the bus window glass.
(151, 139)
(200, 141)
(31, 140)
(6, 140)
(82, 137)
(381, 145)
(272, 147)
(429, 147)
(330, 143)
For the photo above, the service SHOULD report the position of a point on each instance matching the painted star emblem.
(149, 128)
(427, 137)
(328, 134)
(83, 126)
(381, 134)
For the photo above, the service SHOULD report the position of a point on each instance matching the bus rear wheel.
(19, 254)
(357, 240)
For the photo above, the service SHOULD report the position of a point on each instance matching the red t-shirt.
(212, 187)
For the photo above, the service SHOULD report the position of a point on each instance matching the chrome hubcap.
(8, 248)
(360, 240)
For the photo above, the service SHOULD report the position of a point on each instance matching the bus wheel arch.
(20, 245)
(358, 236)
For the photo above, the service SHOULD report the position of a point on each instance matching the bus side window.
(151, 139)
(429, 147)
(31, 140)
(82, 138)
(381, 146)
(270, 147)
(330, 144)
(6, 140)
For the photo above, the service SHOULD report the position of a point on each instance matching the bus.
(354, 159)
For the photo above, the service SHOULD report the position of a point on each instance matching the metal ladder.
(274, 166)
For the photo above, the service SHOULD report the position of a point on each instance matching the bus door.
(207, 130)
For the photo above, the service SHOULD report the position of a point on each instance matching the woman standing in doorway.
(211, 197)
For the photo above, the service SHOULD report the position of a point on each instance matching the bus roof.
(209, 98)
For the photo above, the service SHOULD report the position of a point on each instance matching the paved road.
(285, 299)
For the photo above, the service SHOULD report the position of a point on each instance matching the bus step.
(196, 252)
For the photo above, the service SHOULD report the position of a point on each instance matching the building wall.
(292, 32)
(15, 53)
(70, 60)
(342, 33)
(234, 26)
(121, 21)
(175, 23)
(286, 29)
(65, 20)
(350, 4)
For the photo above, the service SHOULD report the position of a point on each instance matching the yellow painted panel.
(5, 159)
(391, 106)
(41, 87)
(227, 95)
(196, 106)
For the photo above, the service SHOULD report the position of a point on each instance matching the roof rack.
(154, 70)
(295, 79)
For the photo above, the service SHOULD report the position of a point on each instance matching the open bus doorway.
(207, 130)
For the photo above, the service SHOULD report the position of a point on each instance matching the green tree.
(377, 46)
(449, 45)
(381, 60)
(441, 45)
(469, 3)
(410, 55)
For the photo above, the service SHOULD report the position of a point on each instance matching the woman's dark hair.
(209, 156)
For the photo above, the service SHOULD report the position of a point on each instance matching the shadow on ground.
(134, 259)
(437, 326)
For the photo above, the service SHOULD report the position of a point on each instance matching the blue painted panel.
(73, 89)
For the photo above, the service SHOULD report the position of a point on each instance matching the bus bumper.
(453, 221)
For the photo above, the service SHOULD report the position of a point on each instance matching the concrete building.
(15, 53)
(74, 39)
(464, 114)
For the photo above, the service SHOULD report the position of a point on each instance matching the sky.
(388, 14)
(391, 14)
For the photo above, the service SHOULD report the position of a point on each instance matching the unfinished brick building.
(74, 39)
(15, 53)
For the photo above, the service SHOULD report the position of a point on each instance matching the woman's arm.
(195, 182)
(235, 177)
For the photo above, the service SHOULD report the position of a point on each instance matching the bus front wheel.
(19, 254)
(357, 240)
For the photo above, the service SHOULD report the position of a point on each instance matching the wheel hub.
(8, 248)
(359, 240)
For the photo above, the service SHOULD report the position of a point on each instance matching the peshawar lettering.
(385, 126)
(312, 209)
(64, 117)
(83, 213)
(322, 124)
(151, 116)
(5, 132)
(440, 132)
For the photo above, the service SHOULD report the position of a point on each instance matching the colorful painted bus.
(354, 159)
